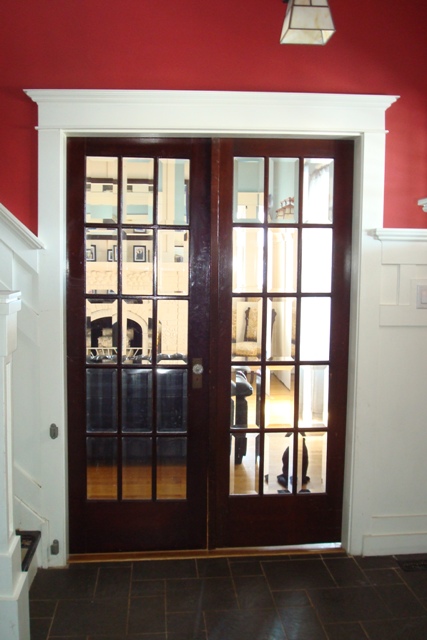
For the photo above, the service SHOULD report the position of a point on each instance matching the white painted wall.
(384, 507)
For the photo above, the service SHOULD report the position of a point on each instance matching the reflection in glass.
(282, 260)
(318, 190)
(101, 260)
(101, 457)
(244, 406)
(172, 331)
(173, 191)
(101, 189)
(283, 190)
(315, 328)
(172, 259)
(316, 260)
(171, 400)
(246, 329)
(278, 463)
(313, 396)
(137, 263)
(136, 470)
(101, 331)
(171, 468)
(312, 453)
(248, 190)
(101, 400)
(138, 191)
(244, 474)
(137, 316)
(136, 400)
(279, 397)
(248, 259)
(281, 328)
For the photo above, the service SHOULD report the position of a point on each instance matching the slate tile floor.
(328, 596)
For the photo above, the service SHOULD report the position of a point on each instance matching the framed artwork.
(109, 255)
(91, 253)
(114, 253)
(139, 253)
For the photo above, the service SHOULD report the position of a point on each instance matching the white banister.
(14, 605)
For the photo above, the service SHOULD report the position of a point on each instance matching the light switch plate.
(421, 296)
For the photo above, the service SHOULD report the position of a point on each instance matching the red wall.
(380, 47)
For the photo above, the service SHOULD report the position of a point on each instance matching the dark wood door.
(233, 256)
(283, 279)
(137, 324)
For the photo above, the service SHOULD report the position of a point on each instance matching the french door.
(207, 335)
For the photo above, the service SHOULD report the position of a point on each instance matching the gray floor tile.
(297, 574)
(85, 617)
(351, 604)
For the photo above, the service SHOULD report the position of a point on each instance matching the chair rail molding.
(361, 118)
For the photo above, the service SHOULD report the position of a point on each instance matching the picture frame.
(139, 253)
(115, 253)
(91, 253)
(109, 255)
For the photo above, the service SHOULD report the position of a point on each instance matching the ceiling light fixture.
(307, 22)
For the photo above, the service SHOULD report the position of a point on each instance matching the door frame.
(64, 113)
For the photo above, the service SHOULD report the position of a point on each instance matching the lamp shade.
(307, 22)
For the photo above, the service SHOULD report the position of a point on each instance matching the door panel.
(137, 314)
(285, 219)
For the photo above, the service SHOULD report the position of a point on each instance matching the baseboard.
(394, 544)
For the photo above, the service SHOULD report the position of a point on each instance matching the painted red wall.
(379, 47)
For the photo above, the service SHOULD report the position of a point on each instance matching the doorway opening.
(180, 379)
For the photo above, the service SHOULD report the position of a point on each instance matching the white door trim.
(63, 113)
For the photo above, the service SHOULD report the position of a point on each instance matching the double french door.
(207, 337)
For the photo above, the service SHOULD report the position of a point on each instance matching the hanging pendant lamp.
(307, 22)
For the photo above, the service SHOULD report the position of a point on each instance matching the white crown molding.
(400, 235)
(209, 112)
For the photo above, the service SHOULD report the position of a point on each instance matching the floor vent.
(413, 565)
(29, 542)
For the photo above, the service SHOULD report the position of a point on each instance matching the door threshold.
(126, 556)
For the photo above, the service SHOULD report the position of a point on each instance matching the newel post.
(14, 607)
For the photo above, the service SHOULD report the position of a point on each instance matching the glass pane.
(278, 463)
(248, 260)
(101, 400)
(315, 328)
(281, 328)
(248, 190)
(101, 468)
(316, 260)
(171, 400)
(244, 470)
(101, 261)
(101, 190)
(279, 397)
(138, 191)
(244, 407)
(137, 329)
(173, 262)
(312, 454)
(137, 264)
(282, 260)
(283, 190)
(172, 468)
(318, 190)
(246, 329)
(137, 413)
(101, 331)
(172, 332)
(173, 191)
(313, 396)
(136, 470)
